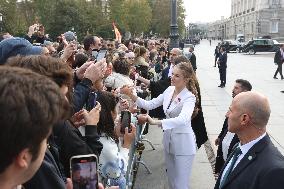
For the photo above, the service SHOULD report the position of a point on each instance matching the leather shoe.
(275, 78)
(222, 86)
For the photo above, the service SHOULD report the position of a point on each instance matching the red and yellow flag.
(117, 33)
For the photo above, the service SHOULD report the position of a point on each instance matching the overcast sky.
(206, 10)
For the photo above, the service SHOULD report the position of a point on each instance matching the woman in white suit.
(178, 103)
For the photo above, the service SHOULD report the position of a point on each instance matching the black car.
(261, 45)
(231, 45)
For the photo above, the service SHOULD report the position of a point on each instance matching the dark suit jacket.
(261, 168)
(165, 73)
(193, 61)
(278, 57)
(223, 60)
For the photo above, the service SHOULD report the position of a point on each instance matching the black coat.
(165, 73)
(157, 88)
(223, 60)
(70, 142)
(48, 175)
(278, 57)
(261, 168)
(193, 61)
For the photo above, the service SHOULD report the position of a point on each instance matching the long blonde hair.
(192, 84)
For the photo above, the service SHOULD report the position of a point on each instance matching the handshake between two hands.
(145, 118)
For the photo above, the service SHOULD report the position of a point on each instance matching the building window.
(274, 26)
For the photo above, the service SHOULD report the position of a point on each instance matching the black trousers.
(222, 72)
(279, 70)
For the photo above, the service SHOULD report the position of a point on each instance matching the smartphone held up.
(125, 121)
(99, 55)
(84, 172)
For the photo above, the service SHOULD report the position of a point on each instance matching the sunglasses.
(173, 54)
(110, 45)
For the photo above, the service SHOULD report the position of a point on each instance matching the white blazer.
(179, 138)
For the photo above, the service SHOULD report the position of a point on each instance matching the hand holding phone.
(84, 172)
(94, 55)
(101, 55)
(129, 137)
(92, 117)
(125, 121)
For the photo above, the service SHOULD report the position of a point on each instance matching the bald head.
(255, 105)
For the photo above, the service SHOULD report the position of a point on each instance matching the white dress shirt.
(226, 142)
(171, 70)
(244, 148)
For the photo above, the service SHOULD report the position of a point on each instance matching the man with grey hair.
(167, 72)
(255, 163)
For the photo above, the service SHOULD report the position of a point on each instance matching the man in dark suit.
(278, 59)
(192, 59)
(227, 140)
(255, 162)
(167, 72)
(222, 65)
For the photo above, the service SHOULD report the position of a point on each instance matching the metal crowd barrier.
(135, 156)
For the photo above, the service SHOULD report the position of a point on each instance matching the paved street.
(259, 70)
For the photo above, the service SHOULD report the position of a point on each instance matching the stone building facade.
(252, 18)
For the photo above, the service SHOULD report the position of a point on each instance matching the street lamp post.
(174, 35)
(235, 33)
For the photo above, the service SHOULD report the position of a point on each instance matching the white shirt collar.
(246, 147)
(171, 70)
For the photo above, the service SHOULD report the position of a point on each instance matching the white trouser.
(178, 170)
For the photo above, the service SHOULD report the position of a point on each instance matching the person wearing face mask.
(92, 43)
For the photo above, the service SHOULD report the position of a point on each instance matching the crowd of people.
(63, 99)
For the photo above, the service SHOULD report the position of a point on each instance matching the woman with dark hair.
(113, 159)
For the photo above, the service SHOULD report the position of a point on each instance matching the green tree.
(139, 15)
(181, 16)
(118, 14)
(162, 17)
(13, 20)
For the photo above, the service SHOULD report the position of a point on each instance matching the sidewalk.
(201, 178)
